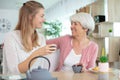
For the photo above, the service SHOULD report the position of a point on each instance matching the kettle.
(39, 73)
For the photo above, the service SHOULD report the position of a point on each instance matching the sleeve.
(57, 41)
(93, 57)
(10, 58)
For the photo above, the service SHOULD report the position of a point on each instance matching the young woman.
(24, 43)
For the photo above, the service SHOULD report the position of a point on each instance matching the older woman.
(77, 48)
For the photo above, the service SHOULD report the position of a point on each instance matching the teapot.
(39, 73)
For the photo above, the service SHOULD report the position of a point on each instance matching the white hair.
(85, 19)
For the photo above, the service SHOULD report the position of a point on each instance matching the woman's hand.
(47, 49)
(83, 67)
(39, 52)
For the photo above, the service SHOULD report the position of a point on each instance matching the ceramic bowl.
(77, 68)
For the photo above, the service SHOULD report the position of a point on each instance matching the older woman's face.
(39, 18)
(77, 29)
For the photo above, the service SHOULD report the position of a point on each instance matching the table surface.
(89, 75)
(85, 76)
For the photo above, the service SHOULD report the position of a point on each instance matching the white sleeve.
(10, 58)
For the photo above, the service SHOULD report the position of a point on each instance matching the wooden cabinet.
(113, 10)
(113, 49)
(97, 8)
(102, 30)
(109, 8)
(84, 9)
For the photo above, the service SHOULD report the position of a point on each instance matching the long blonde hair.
(28, 34)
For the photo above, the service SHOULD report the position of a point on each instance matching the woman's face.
(77, 29)
(39, 18)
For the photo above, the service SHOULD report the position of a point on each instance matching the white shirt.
(13, 51)
(71, 60)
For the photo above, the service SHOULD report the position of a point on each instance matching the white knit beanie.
(85, 19)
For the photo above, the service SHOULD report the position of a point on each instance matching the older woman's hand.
(83, 67)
